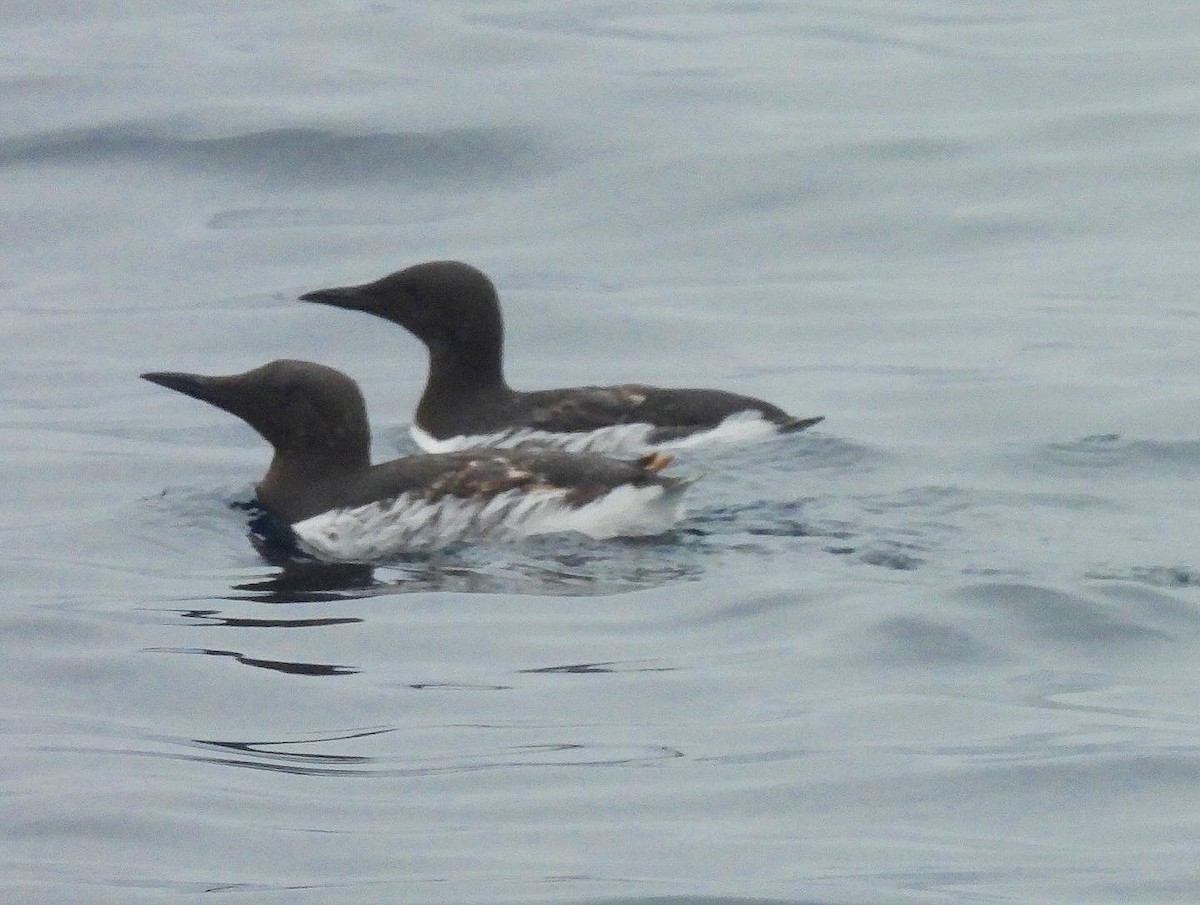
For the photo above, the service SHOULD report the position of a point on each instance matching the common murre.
(454, 310)
(341, 507)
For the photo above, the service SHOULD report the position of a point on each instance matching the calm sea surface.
(944, 648)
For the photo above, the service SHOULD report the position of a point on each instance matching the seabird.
(454, 310)
(340, 507)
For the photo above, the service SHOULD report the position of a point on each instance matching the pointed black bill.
(223, 392)
(198, 386)
(353, 298)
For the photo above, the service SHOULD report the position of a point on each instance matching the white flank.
(741, 427)
(614, 440)
(380, 530)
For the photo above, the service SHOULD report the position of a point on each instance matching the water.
(940, 648)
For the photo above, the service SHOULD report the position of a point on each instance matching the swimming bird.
(454, 310)
(342, 508)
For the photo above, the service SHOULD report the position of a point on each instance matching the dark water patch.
(293, 756)
(284, 666)
(896, 559)
(298, 156)
(310, 582)
(918, 641)
(1155, 576)
(745, 607)
(1162, 605)
(1180, 888)
(1056, 690)
(559, 565)
(214, 617)
(1055, 778)
(1080, 129)
(1114, 451)
(1063, 618)
(603, 667)
(275, 748)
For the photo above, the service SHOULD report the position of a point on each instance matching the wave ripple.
(296, 155)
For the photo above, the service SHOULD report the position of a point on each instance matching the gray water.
(942, 648)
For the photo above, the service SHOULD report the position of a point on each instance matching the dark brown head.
(304, 410)
(450, 306)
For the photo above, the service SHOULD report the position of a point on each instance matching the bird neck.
(296, 484)
(461, 384)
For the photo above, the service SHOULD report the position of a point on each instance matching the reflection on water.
(213, 617)
(482, 570)
(285, 666)
(290, 756)
(608, 666)
(308, 581)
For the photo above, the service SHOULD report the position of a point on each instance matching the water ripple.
(290, 667)
(295, 756)
(297, 155)
(1062, 618)
(1114, 451)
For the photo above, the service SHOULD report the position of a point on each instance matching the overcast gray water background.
(942, 648)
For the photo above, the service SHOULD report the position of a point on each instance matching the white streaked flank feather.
(613, 440)
(379, 530)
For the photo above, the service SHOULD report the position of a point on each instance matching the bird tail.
(791, 425)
